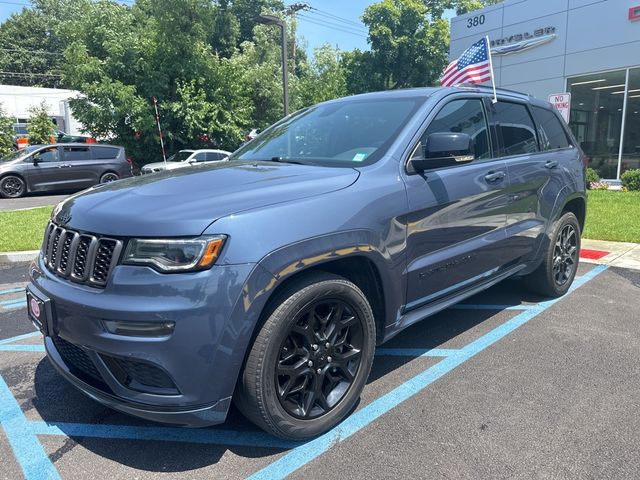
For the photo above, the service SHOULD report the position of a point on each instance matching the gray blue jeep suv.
(270, 279)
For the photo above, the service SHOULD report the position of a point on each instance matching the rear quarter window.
(516, 129)
(105, 153)
(550, 131)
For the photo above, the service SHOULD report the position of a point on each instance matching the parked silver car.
(70, 166)
(185, 158)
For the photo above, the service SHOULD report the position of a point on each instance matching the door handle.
(551, 164)
(494, 176)
(66, 165)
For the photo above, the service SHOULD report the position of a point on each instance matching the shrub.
(41, 128)
(592, 177)
(631, 179)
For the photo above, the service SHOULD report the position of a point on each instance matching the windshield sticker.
(359, 157)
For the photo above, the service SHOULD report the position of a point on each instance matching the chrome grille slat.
(81, 257)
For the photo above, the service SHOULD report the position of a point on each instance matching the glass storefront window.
(631, 141)
(596, 118)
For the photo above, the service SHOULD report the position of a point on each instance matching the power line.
(16, 3)
(337, 18)
(331, 26)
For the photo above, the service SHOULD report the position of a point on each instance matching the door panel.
(455, 231)
(48, 173)
(457, 219)
(81, 171)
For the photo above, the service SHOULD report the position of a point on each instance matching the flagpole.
(493, 77)
(155, 104)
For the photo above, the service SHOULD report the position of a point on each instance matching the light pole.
(273, 20)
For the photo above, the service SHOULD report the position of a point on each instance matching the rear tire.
(12, 186)
(310, 360)
(109, 177)
(555, 274)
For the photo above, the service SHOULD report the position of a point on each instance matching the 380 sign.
(475, 21)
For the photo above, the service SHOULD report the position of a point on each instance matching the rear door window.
(516, 129)
(75, 154)
(550, 131)
(104, 153)
(199, 157)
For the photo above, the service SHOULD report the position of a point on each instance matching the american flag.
(473, 66)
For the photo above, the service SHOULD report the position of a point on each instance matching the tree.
(30, 47)
(322, 79)
(409, 47)
(121, 57)
(40, 126)
(6, 132)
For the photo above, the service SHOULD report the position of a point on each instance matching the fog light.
(139, 329)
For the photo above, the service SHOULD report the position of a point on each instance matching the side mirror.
(35, 160)
(444, 150)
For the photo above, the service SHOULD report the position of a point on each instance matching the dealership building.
(588, 48)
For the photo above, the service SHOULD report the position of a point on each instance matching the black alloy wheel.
(12, 186)
(310, 359)
(319, 358)
(565, 255)
(559, 264)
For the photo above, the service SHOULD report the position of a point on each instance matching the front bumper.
(185, 378)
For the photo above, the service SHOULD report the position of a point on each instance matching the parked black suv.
(72, 166)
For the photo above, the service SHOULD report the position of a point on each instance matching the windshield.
(18, 153)
(348, 133)
(181, 156)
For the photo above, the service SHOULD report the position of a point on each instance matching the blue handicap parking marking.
(22, 434)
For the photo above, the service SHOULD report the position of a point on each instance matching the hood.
(153, 165)
(186, 201)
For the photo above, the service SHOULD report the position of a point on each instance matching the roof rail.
(486, 87)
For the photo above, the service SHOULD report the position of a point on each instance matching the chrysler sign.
(522, 41)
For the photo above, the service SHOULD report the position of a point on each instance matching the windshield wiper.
(282, 160)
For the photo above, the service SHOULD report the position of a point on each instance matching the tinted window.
(516, 127)
(552, 135)
(70, 154)
(199, 157)
(463, 116)
(342, 133)
(104, 153)
(47, 155)
(215, 156)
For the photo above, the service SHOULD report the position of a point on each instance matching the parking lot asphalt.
(507, 385)
(30, 201)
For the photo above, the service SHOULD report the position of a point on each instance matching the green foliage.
(322, 79)
(592, 176)
(631, 179)
(409, 44)
(40, 126)
(30, 45)
(6, 133)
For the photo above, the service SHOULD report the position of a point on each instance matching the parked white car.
(185, 158)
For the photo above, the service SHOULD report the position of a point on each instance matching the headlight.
(174, 255)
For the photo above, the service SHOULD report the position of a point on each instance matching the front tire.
(310, 360)
(555, 274)
(12, 186)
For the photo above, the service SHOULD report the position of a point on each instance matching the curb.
(18, 257)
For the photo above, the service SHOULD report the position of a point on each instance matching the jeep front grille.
(80, 257)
